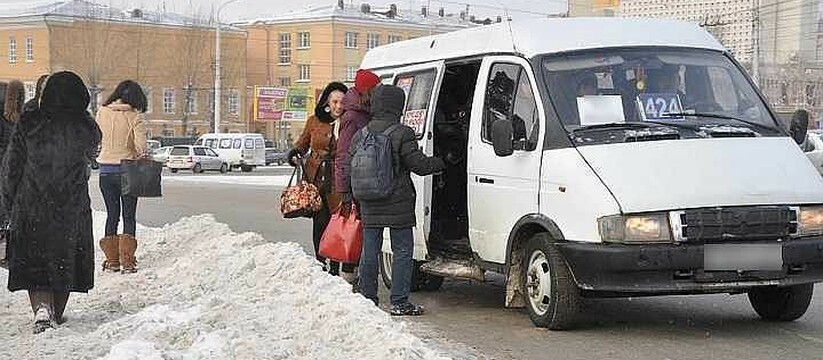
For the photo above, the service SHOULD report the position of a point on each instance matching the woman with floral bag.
(316, 148)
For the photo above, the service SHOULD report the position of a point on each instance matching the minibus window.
(509, 97)
(249, 143)
(695, 93)
(259, 144)
(237, 143)
(225, 143)
(210, 143)
(418, 87)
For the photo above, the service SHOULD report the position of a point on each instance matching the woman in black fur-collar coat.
(45, 198)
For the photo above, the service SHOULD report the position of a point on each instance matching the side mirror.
(799, 126)
(502, 133)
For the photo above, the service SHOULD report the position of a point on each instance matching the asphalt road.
(471, 314)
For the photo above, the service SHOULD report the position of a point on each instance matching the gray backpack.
(372, 165)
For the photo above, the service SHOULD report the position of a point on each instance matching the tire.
(421, 281)
(173, 171)
(552, 297)
(246, 168)
(197, 169)
(223, 168)
(787, 303)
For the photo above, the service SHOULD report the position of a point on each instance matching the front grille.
(738, 223)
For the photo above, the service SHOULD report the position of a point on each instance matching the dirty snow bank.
(204, 292)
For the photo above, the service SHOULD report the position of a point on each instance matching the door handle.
(484, 180)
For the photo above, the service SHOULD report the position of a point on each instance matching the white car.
(813, 147)
(161, 154)
(195, 158)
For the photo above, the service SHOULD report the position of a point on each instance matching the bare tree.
(195, 60)
(96, 37)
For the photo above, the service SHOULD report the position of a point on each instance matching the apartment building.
(307, 50)
(170, 55)
(581, 8)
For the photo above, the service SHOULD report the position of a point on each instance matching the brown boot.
(111, 247)
(128, 245)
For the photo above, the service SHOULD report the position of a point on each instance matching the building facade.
(581, 8)
(170, 55)
(308, 50)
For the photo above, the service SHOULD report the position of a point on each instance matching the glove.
(292, 156)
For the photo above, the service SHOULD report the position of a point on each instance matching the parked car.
(275, 156)
(195, 158)
(161, 154)
(813, 147)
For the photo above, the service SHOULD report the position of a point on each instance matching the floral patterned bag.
(301, 199)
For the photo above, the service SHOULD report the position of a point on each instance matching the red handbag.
(342, 240)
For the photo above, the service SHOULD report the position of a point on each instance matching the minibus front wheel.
(552, 298)
(787, 303)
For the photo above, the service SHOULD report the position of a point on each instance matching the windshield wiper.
(636, 125)
(724, 117)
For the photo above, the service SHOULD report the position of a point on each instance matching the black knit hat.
(321, 110)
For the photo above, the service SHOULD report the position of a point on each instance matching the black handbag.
(141, 178)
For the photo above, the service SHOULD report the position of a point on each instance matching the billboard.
(280, 103)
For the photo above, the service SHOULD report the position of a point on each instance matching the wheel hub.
(538, 282)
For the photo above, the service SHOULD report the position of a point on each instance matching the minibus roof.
(529, 38)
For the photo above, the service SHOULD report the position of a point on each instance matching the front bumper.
(669, 269)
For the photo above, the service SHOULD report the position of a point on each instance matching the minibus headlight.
(810, 220)
(635, 229)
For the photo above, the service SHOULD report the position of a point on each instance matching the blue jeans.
(112, 196)
(402, 245)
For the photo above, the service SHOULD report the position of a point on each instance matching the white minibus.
(634, 161)
(240, 150)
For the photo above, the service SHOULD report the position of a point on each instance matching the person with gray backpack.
(383, 154)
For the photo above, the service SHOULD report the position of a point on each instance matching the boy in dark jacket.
(397, 210)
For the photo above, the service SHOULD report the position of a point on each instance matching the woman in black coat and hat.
(45, 199)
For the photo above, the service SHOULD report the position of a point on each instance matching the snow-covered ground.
(204, 292)
(247, 180)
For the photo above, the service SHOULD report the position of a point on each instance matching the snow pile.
(204, 292)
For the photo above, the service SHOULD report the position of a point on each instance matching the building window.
(351, 40)
(305, 73)
(234, 102)
(372, 41)
(395, 38)
(191, 101)
(30, 89)
(351, 71)
(29, 49)
(168, 132)
(285, 81)
(304, 40)
(285, 48)
(12, 50)
(147, 91)
(168, 101)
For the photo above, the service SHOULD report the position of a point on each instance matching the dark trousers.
(115, 201)
(319, 223)
(402, 246)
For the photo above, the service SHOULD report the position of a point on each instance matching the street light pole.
(217, 69)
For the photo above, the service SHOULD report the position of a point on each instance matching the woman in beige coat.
(120, 120)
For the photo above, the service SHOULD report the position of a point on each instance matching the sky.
(245, 9)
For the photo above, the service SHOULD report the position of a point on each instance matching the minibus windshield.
(685, 89)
